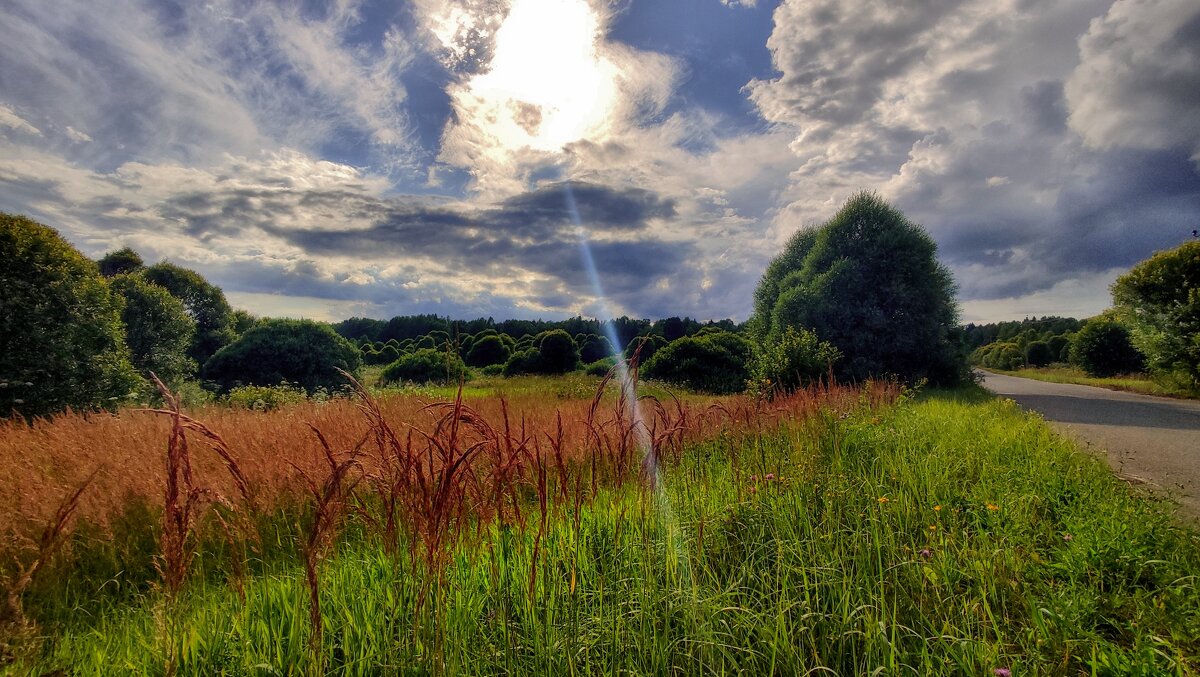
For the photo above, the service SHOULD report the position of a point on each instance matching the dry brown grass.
(432, 464)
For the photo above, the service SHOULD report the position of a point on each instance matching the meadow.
(544, 529)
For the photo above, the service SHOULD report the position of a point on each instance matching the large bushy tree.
(62, 343)
(302, 352)
(1102, 347)
(1160, 300)
(205, 303)
(158, 329)
(119, 262)
(868, 281)
(426, 365)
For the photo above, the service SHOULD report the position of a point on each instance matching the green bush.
(1060, 347)
(62, 343)
(554, 352)
(387, 355)
(649, 345)
(158, 330)
(600, 367)
(593, 347)
(1102, 347)
(265, 398)
(425, 365)
(119, 262)
(488, 350)
(302, 352)
(1160, 300)
(716, 363)
(1039, 354)
(492, 370)
(796, 359)
(205, 303)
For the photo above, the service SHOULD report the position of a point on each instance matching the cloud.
(971, 117)
(10, 119)
(1138, 81)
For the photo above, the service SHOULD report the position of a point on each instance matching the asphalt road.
(1146, 440)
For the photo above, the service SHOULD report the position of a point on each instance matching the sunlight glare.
(547, 85)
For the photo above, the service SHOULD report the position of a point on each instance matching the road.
(1146, 440)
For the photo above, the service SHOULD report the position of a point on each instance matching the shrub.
(492, 370)
(716, 363)
(866, 274)
(265, 398)
(522, 362)
(1160, 300)
(593, 347)
(557, 351)
(1102, 347)
(158, 330)
(488, 350)
(305, 353)
(600, 367)
(387, 355)
(1060, 347)
(796, 359)
(1039, 354)
(649, 346)
(205, 303)
(425, 365)
(62, 343)
(1006, 356)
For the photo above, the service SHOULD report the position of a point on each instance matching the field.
(838, 530)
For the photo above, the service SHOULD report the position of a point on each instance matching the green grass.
(1038, 560)
(1138, 383)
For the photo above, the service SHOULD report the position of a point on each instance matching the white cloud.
(1138, 83)
(10, 119)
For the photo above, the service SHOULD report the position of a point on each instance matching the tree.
(488, 350)
(61, 339)
(158, 330)
(1039, 354)
(205, 303)
(557, 352)
(593, 347)
(119, 262)
(302, 352)
(1160, 300)
(715, 363)
(425, 366)
(672, 329)
(868, 281)
(1102, 348)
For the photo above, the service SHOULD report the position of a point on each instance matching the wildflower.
(754, 478)
(769, 476)
(883, 499)
(937, 508)
(993, 507)
(925, 554)
(1002, 672)
(1067, 538)
(933, 527)
(753, 490)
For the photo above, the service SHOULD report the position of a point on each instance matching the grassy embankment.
(951, 534)
(1137, 383)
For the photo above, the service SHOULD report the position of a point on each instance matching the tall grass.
(834, 532)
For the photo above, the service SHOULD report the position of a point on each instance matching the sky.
(382, 157)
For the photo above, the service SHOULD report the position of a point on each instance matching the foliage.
(797, 359)
(1060, 347)
(119, 262)
(61, 339)
(593, 347)
(600, 367)
(302, 352)
(265, 398)
(1004, 332)
(1006, 356)
(1102, 347)
(868, 281)
(644, 347)
(158, 329)
(1039, 354)
(387, 355)
(425, 365)
(716, 363)
(523, 361)
(1160, 300)
(557, 352)
(205, 303)
(488, 350)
